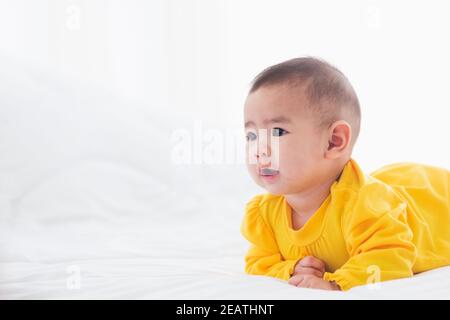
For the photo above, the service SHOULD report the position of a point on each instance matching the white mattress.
(92, 205)
(198, 260)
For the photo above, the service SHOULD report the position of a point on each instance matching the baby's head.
(302, 119)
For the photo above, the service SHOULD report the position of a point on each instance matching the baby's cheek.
(250, 160)
(288, 159)
(250, 154)
(252, 170)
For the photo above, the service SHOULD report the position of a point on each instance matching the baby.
(323, 223)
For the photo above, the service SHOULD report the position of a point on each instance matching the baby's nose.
(263, 158)
(261, 155)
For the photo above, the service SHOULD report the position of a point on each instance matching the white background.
(198, 57)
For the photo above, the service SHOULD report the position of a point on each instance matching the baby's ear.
(335, 141)
(339, 137)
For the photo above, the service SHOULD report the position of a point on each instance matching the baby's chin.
(277, 191)
(274, 187)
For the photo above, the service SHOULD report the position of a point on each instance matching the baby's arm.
(259, 261)
(263, 257)
(379, 243)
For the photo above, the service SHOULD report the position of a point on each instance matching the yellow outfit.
(388, 225)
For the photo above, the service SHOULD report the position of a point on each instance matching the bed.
(84, 260)
(93, 207)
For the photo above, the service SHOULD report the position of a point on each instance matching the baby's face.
(284, 145)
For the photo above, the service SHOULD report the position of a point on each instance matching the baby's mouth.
(268, 172)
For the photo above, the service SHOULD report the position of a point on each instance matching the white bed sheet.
(131, 260)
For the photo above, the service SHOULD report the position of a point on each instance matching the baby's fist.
(313, 282)
(309, 266)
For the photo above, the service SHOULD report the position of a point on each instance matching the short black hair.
(330, 94)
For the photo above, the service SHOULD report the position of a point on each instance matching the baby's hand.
(310, 281)
(308, 273)
(309, 266)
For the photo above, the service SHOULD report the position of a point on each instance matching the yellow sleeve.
(378, 239)
(263, 257)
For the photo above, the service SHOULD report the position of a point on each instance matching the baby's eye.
(278, 132)
(251, 136)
